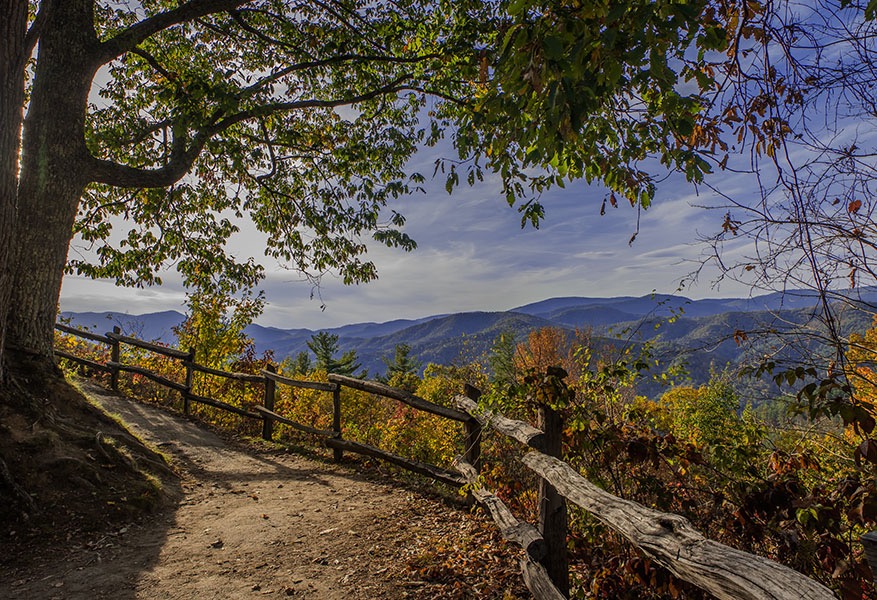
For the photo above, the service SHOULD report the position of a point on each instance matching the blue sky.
(473, 255)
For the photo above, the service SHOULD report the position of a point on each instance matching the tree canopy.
(402, 363)
(594, 90)
(301, 116)
(154, 128)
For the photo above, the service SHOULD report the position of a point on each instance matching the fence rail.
(83, 361)
(671, 540)
(308, 385)
(83, 334)
(114, 336)
(249, 377)
(668, 538)
(265, 412)
(408, 398)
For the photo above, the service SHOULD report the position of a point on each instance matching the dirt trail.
(250, 525)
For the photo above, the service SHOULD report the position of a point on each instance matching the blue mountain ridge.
(702, 330)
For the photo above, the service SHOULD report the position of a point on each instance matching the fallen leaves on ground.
(456, 555)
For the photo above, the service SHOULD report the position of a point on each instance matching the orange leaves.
(544, 348)
(784, 463)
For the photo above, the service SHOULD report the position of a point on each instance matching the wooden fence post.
(553, 522)
(869, 543)
(472, 444)
(190, 379)
(268, 402)
(115, 354)
(337, 453)
(472, 440)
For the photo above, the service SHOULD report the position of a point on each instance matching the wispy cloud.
(473, 255)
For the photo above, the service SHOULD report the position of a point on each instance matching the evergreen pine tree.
(324, 345)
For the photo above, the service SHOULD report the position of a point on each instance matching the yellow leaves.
(861, 354)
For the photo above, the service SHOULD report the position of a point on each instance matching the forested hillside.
(700, 336)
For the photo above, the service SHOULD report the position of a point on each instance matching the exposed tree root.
(22, 500)
(98, 442)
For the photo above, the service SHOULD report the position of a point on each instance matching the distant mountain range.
(699, 333)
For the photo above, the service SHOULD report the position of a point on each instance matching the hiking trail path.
(251, 524)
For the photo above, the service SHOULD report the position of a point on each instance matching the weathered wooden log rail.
(269, 379)
(669, 539)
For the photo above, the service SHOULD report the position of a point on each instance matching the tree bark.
(13, 57)
(53, 172)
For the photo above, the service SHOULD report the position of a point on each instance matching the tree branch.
(145, 133)
(334, 60)
(153, 62)
(129, 38)
(33, 34)
(182, 158)
(238, 18)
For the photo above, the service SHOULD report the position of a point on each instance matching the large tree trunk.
(53, 174)
(13, 50)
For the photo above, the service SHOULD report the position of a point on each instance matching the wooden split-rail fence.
(667, 538)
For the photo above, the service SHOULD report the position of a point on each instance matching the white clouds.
(473, 255)
(80, 294)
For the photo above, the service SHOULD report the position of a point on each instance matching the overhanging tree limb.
(182, 157)
(33, 34)
(129, 38)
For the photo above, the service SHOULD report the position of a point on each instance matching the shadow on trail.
(199, 545)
